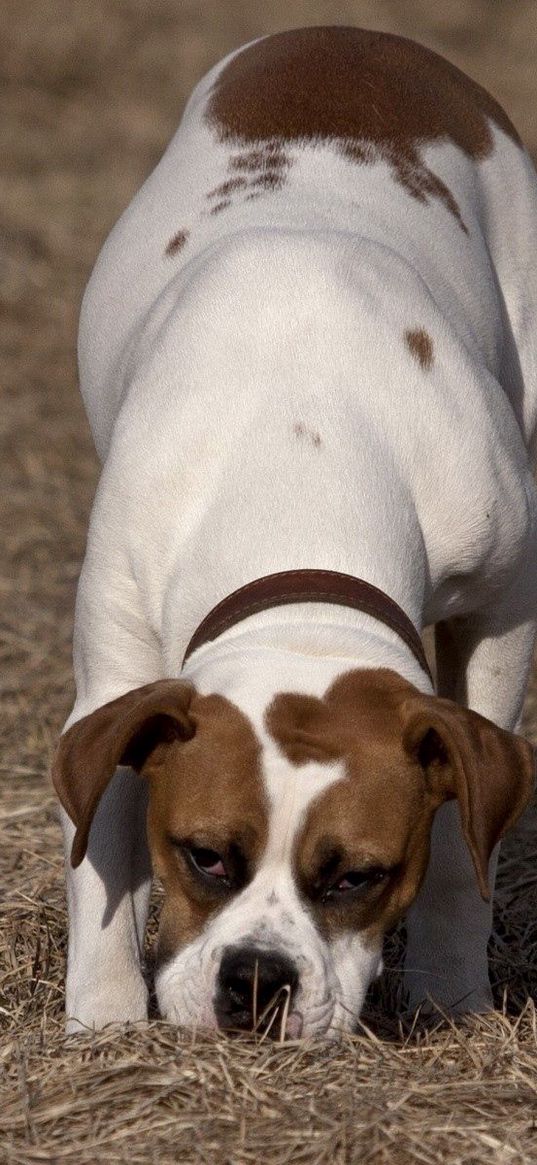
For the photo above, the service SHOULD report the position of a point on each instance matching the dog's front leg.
(484, 665)
(108, 899)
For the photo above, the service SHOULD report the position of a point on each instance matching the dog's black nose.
(251, 984)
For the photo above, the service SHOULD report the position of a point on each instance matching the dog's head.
(287, 848)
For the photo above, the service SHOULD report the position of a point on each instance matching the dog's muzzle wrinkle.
(251, 984)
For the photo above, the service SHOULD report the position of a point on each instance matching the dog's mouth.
(277, 1020)
(294, 1025)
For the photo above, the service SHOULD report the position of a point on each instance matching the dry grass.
(92, 89)
(154, 1095)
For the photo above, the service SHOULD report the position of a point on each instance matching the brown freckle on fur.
(372, 96)
(250, 161)
(267, 166)
(227, 187)
(300, 430)
(422, 184)
(269, 180)
(219, 206)
(419, 343)
(253, 160)
(177, 242)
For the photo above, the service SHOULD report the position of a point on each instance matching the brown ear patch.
(375, 96)
(124, 731)
(491, 772)
(420, 345)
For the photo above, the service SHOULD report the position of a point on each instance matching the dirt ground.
(91, 92)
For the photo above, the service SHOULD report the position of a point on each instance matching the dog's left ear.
(123, 732)
(464, 755)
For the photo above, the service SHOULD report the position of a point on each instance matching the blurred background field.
(91, 90)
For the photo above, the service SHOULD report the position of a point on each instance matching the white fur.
(196, 371)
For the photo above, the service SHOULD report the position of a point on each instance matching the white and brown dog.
(308, 353)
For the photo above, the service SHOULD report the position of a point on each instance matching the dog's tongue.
(293, 1027)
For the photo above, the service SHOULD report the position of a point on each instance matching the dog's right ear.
(123, 732)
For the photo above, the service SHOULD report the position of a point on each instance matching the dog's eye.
(216, 872)
(355, 880)
(208, 861)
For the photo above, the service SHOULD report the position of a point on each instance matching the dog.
(308, 356)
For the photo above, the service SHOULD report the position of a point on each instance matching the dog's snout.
(252, 984)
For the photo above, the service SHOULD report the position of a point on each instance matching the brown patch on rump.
(177, 242)
(375, 96)
(419, 343)
(209, 791)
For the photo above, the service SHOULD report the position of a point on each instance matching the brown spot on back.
(227, 187)
(301, 430)
(270, 157)
(373, 95)
(419, 343)
(269, 180)
(267, 166)
(177, 242)
(220, 206)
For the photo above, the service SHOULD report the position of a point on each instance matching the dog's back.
(329, 130)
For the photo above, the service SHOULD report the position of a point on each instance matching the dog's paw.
(89, 1011)
(436, 995)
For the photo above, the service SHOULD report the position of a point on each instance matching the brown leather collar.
(312, 586)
